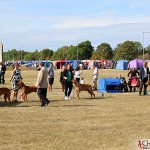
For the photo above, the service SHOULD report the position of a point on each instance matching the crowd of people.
(136, 79)
(45, 80)
(46, 76)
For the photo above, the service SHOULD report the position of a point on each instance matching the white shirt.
(77, 74)
(95, 73)
(145, 72)
(82, 81)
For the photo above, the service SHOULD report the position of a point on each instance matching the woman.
(133, 74)
(15, 78)
(78, 72)
(68, 76)
(61, 78)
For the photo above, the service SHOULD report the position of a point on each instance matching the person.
(42, 84)
(77, 74)
(68, 76)
(61, 80)
(15, 78)
(2, 73)
(143, 75)
(95, 76)
(50, 77)
(123, 83)
(82, 81)
(133, 73)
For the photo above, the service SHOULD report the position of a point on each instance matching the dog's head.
(20, 84)
(74, 80)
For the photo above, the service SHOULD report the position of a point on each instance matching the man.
(42, 85)
(2, 73)
(50, 76)
(144, 72)
(95, 76)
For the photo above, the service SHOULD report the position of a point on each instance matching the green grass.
(112, 122)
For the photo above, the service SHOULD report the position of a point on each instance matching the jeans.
(68, 88)
(42, 92)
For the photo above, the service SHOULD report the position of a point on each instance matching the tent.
(59, 63)
(136, 63)
(77, 63)
(122, 65)
(110, 85)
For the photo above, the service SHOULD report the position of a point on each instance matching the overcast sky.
(38, 24)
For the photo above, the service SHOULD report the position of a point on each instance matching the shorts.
(50, 80)
(95, 80)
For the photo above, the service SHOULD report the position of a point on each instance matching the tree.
(61, 53)
(85, 50)
(72, 53)
(127, 50)
(47, 54)
(103, 51)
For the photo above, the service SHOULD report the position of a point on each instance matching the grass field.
(112, 122)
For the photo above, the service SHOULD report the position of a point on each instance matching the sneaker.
(47, 103)
(66, 98)
(42, 105)
(69, 97)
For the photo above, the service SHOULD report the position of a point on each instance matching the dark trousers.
(2, 80)
(142, 83)
(42, 93)
(78, 80)
(68, 88)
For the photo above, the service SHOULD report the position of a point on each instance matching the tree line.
(127, 50)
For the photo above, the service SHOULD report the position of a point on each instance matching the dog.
(26, 90)
(82, 87)
(147, 83)
(6, 92)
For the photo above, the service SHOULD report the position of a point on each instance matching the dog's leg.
(5, 98)
(93, 95)
(77, 94)
(23, 97)
(26, 98)
(9, 98)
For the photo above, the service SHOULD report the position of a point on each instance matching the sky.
(39, 24)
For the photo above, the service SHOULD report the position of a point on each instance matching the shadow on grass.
(75, 106)
(12, 104)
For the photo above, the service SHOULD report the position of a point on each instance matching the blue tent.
(122, 65)
(75, 64)
(110, 85)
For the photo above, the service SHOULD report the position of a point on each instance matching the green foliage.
(72, 53)
(47, 54)
(127, 50)
(85, 50)
(60, 54)
(23, 55)
(103, 51)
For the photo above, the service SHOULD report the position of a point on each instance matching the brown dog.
(147, 83)
(82, 87)
(26, 90)
(6, 92)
